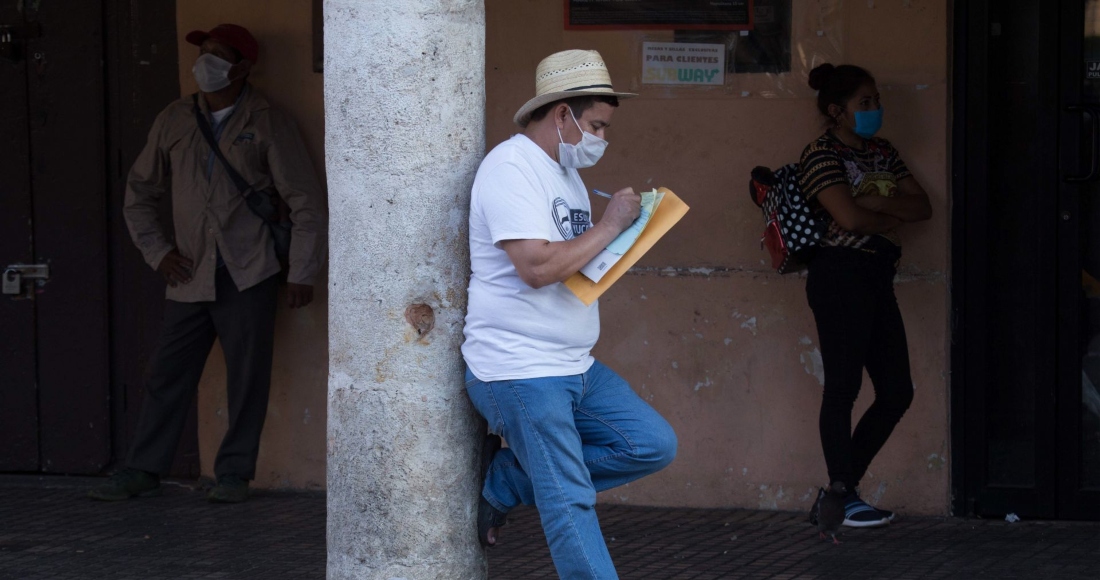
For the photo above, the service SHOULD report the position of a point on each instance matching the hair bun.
(819, 76)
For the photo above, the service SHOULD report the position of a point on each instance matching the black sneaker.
(127, 483)
(889, 515)
(229, 489)
(857, 514)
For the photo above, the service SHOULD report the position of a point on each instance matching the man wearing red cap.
(221, 263)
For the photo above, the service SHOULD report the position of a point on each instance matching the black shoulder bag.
(266, 204)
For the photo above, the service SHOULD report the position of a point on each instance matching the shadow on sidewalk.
(48, 529)
(652, 543)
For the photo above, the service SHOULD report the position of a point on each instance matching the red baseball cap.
(237, 37)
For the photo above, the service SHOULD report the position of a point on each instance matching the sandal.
(488, 517)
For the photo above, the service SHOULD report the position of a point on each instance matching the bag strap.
(204, 127)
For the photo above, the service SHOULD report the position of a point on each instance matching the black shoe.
(127, 483)
(229, 489)
(488, 517)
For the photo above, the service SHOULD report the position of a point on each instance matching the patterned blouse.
(874, 171)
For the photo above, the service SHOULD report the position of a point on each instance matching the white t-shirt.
(220, 116)
(514, 331)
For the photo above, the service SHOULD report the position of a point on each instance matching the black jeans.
(859, 326)
(245, 323)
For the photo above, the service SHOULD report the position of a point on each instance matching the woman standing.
(862, 191)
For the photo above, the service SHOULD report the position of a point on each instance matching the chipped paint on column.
(404, 111)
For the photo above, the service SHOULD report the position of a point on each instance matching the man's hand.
(625, 207)
(298, 295)
(175, 268)
(540, 262)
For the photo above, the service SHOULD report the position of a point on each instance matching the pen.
(601, 194)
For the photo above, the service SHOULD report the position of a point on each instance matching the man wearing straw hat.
(573, 426)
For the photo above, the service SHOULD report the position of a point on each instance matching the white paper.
(598, 266)
(622, 242)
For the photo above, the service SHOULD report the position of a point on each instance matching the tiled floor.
(49, 530)
(648, 543)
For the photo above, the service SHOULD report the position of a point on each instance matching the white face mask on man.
(211, 72)
(583, 154)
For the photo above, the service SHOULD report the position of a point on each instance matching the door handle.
(13, 36)
(1094, 155)
(11, 280)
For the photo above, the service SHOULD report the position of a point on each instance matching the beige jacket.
(264, 146)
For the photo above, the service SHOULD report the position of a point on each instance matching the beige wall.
(292, 451)
(720, 345)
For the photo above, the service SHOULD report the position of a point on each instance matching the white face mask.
(583, 154)
(211, 72)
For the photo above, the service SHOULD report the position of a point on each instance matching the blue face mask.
(868, 123)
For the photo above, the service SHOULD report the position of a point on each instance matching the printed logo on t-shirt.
(880, 183)
(570, 222)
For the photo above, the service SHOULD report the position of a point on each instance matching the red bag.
(791, 230)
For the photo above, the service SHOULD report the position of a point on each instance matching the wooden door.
(18, 392)
(56, 408)
(76, 103)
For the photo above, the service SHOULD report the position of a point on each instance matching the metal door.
(1078, 438)
(1026, 234)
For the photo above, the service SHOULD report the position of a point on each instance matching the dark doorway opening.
(1026, 221)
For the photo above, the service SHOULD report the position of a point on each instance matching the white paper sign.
(681, 63)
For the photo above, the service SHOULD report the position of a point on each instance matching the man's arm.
(149, 179)
(297, 183)
(541, 263)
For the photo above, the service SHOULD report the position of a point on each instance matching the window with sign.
(765, 48)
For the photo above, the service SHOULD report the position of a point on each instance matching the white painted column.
(404, 133)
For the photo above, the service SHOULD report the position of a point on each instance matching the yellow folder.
(671, 209)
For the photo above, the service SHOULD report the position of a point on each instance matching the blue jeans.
(568, 438)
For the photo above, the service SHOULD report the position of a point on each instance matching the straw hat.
(570, 73)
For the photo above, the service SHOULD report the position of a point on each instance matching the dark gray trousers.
(245, 323)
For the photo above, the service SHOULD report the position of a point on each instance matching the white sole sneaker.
(866, 524)
(862, 515)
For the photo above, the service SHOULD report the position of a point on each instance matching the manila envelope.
(670, 211)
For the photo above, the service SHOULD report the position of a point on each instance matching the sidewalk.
(49, 530)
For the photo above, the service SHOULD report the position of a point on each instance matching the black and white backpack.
(791, 229)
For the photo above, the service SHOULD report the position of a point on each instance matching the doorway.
(80, 85)
(1026, 259)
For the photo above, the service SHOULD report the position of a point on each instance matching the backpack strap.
(208, 134)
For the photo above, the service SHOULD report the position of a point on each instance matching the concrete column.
(404, 133)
